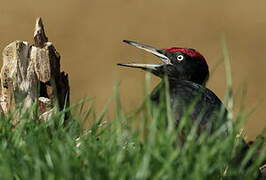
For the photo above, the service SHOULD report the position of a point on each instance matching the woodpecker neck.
(162, 87)
(171, 85)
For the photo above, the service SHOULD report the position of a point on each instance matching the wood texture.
(31, 73)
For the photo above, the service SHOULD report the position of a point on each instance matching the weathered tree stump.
(31, 74)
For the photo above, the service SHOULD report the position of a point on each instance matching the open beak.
(146, 67)
(154, 51)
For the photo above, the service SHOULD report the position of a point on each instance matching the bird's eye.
(180, 57)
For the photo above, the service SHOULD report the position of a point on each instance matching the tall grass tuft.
(119, 150)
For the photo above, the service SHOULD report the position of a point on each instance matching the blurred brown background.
(88, 35)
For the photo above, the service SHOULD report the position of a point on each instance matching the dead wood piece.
(41, 61)
(39, 34)
(19, 81)
(31, 73)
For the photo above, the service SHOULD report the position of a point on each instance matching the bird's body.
(193, 100)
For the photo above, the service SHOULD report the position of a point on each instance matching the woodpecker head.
(178, 63)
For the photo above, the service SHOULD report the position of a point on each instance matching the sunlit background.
(89, 33)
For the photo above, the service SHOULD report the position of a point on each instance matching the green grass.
(121, 149)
